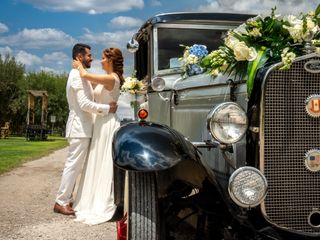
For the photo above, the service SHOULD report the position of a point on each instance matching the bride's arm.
(105, 79)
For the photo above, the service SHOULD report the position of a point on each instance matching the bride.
(94, 202)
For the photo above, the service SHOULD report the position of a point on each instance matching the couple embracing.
(91, 123)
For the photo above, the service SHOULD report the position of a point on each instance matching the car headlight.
(158, 84)
(247, 187)
(227, 122)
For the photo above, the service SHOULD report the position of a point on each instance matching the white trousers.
(78, 150)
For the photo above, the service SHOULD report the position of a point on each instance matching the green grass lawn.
(16, 150)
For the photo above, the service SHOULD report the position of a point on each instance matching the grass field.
(16, 150)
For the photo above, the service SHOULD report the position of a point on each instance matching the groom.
(79, 127)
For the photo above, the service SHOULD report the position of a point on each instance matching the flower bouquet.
(191, 59)
(134, 91)
(262, 40)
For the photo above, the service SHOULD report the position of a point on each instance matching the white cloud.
(27, 58)
(39, 38)
(88, 6)
(126, 22)
(259, 6)
(156, 3)
(3, 28)
(57, 57)
(5, 50)
(102, 40)
(107, 39)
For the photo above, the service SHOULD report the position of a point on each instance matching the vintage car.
(209, 162)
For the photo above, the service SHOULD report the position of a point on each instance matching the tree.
(14, 83)
(55, 85)
(11, 73)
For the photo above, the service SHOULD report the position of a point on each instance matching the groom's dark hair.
(79, 48)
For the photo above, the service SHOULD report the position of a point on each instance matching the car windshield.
(170, 39)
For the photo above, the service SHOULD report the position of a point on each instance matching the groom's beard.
(86, 64)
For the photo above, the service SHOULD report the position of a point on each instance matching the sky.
(41, 33)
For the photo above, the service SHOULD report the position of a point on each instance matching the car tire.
(142, 203)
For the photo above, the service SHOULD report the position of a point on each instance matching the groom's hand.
(113, 107)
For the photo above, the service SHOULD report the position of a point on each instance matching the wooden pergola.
(32, 94)
(35, 130)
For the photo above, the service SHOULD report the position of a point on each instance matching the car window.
(170, 39)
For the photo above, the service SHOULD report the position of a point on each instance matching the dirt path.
(27, 197)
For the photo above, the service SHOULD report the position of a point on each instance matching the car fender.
(147, 146)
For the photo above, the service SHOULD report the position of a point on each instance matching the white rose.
(125, 85)
(131, 84)
(231, 41)
(242, 52)
(252, 54)
(293, 20)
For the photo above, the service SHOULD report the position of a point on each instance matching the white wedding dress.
(94, 202)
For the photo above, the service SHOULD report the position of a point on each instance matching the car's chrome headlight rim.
(246, 183)
(216, 118)
(158, 84)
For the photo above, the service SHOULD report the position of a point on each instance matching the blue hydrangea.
(194, 69)
(198, 50)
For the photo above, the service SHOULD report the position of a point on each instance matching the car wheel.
(141, 206)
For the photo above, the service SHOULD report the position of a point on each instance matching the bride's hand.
(76, 64)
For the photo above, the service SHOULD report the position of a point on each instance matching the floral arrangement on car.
(263, 40)
(191, 59)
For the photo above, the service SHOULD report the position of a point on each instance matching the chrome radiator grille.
(288, 134)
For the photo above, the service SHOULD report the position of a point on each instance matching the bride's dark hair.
(115, 55)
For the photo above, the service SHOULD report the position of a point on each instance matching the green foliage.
(262, 40)
(55, 85)
(14, 83)
(11, 74)
(16, 150)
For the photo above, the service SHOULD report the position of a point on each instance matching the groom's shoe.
(66, 210)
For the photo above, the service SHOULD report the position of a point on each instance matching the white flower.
(186, 54)
(255, 32)
(287, 58)
(296, 32)
(129, 83)
(242, 52)
(192, 59)
(312, 26)
(296, 29)
(215, 72)
(224, 66)
(241, 29)
(293, 20)
(316, 42)
(231, 41)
